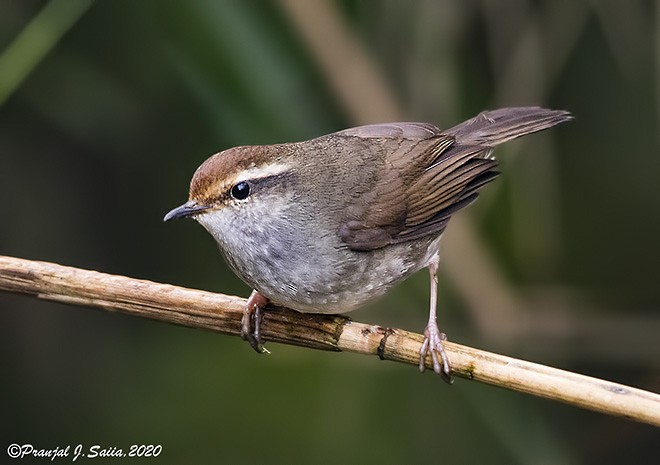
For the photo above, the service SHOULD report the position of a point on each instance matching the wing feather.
(428, 175)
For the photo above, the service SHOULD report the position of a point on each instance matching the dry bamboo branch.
(222, 313)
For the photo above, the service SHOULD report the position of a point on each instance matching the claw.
(433, 345)
(252, 314)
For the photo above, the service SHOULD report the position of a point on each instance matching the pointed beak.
(187, 209)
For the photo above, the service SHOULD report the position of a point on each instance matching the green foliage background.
(101, 130)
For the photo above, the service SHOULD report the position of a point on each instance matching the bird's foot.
(252, 316)
(433, 344)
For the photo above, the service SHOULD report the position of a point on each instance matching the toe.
(422, 355)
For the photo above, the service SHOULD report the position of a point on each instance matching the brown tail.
(492, 128)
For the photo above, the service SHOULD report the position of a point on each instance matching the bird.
(329, 224)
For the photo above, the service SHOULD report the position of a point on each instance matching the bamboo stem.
(222, 313)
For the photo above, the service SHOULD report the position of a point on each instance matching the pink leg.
(253, 311)
(433, 337)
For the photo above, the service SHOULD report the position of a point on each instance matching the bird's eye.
(240, 190)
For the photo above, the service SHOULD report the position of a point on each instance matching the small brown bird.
(326, 225)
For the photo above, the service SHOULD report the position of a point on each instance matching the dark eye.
(241, 190)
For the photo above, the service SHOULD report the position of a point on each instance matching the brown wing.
(425, 179)
(429, 175)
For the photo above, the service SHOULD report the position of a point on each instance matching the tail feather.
(492, 128)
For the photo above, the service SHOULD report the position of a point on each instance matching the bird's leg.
(251, 312)
(432, 336)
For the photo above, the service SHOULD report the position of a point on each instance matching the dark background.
(106, 109)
